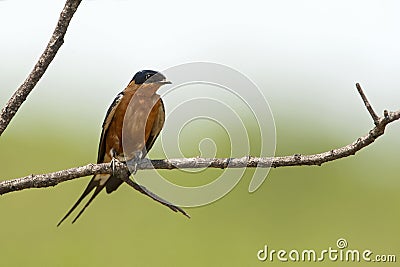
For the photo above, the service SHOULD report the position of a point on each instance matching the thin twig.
(367, 104)
(52, 179)
(56, 41)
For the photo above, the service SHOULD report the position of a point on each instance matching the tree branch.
(56, 41)
(371, 111)
(52, 179)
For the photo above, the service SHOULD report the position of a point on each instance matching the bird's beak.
(164, 82)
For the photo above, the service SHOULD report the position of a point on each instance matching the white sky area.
(304, 55)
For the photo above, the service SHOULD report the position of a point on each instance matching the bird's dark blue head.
(149, 76)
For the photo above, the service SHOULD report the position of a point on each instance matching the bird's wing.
(156, 129)
(106, 124)
(99, 180)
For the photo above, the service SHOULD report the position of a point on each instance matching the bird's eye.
(148, 76)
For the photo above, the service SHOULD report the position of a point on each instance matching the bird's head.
(149, 77)
(147, 82)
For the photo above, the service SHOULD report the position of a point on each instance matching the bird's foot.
(133, 163)
(113, 164)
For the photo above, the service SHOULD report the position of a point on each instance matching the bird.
(131, 126)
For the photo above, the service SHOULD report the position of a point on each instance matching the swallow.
(131, 126)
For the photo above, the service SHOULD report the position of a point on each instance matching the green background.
(309, 82)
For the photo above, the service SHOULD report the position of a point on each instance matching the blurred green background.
(304, 55)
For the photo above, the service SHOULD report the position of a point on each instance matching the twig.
(367, 104)
(56, 40)
(52, 179)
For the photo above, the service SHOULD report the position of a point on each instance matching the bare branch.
(56, 41)
(52, 179)
(367, 104)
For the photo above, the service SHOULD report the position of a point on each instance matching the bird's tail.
(96, 182)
